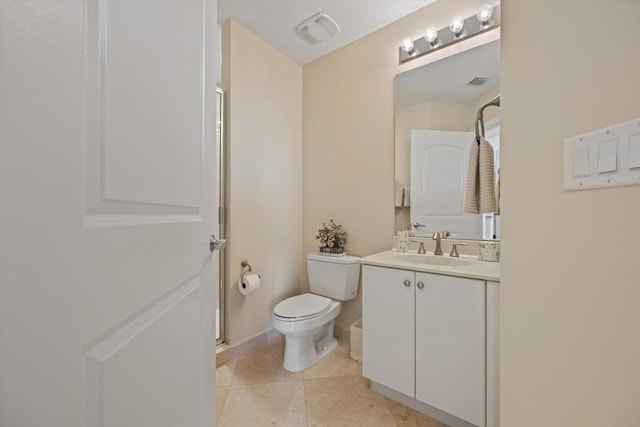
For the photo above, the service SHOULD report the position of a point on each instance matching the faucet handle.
(445, 234)
(454, 250)
(421, 249)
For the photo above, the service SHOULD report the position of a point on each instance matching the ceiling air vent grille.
(318, 28)
(478, 81)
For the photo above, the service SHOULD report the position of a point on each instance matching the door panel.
(107, 188)
(439, 162)
(443, 171)
(163, 344)
(144, 118)
(150, 126)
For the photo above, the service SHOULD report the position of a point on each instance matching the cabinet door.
(450, 345)
(388, 340)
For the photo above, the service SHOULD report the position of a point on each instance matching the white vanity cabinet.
(450, 345)
(388, 327)
(424, 335)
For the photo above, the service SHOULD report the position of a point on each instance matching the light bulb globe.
(485, 13)
(457, 25)
(431, 34)
(407, 45)
(409, 48)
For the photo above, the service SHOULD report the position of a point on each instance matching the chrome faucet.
(438, 238)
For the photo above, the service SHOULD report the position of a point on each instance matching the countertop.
(474, 269)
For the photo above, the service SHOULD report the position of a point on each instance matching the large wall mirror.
(435, 112)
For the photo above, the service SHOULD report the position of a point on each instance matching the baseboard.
(225, 352)
(422, 407)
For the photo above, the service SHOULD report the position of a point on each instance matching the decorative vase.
(329, 250)
(489, 251)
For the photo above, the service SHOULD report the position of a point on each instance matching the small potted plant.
(332, 238)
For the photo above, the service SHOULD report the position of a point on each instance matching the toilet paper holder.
(245, 265)
(248, 281)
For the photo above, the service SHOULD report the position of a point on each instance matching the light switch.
(634, 151)
(608, 156)
(580, 158)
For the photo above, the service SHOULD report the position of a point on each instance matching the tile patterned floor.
(255, 390)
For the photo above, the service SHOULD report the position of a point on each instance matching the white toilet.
(307, 320)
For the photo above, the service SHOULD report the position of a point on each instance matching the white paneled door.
(439, 161)
(107, 163)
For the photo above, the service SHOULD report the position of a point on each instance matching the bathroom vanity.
(430, 334)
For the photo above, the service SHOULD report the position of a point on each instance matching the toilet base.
(301, 352)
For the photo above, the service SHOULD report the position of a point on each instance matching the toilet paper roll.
(248, 283)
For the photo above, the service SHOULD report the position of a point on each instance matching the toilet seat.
(302, 307)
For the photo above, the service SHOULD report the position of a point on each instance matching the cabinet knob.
(407, 283)
(420, 285)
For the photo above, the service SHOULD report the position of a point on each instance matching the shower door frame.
(221, 182)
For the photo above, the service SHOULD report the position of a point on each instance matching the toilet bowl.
(307, 321)
(308, 335)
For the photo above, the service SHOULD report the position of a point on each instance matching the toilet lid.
(305, 305)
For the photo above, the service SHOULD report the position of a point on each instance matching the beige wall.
(348, 122)
(264, 149)
(570, 280)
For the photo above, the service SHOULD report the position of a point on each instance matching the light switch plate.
(607, 157)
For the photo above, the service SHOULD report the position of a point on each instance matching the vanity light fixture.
(431, 36)
(409, 48)
(486, 19)
(484, 15)
(457, 27)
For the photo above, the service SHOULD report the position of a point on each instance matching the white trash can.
(356, 340)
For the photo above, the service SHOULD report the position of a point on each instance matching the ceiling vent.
(318, 28)
(478, 81)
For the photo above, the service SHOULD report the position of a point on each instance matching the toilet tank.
(335, 277)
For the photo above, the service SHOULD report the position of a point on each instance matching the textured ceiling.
(275, 21)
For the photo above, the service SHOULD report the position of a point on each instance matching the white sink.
(432, 260)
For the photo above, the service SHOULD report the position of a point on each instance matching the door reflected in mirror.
(435, 113)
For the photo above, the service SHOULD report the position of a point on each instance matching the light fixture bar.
(472, 27)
